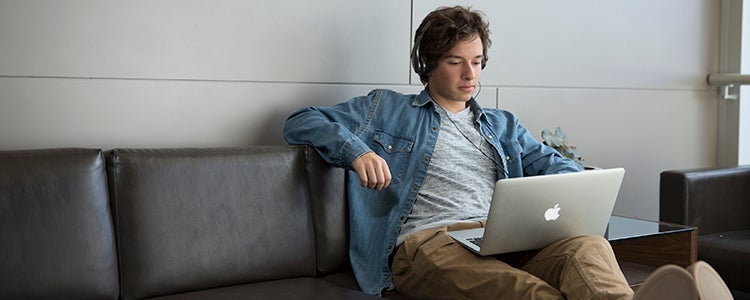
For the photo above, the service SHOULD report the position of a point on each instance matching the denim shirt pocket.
(395, 150)
(393, 144)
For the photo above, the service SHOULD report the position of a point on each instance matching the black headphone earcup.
(416, 61)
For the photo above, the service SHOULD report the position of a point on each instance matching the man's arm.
(331, 131)
(539, 159)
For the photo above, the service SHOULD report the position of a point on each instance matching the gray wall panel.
(669, 44)
(334, 41)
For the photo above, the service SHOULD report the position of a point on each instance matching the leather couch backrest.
(191, 219)
(56, 234)
(714, 200)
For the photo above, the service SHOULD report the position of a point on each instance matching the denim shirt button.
(489, 137)
(390, 147)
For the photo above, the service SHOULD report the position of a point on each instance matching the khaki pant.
(431, 265)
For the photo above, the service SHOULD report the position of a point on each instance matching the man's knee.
(592, 239)
(583, 244)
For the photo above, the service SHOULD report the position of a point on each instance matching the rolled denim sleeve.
(332, 131)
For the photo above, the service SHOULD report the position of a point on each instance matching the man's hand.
(373, 171)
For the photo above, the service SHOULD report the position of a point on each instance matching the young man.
(427, 163)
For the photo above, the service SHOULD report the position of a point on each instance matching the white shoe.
(709, 283)
(668, 282)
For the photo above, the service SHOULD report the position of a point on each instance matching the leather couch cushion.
(347, 280)
(292, 289)
(192, 219)
(728, 253)
(56, 235)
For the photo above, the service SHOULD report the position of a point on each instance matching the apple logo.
(552, 213)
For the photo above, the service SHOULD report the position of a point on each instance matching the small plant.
(559, 141)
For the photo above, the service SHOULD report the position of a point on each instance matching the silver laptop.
(532, 212)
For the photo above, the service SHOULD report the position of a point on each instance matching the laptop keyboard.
(476, 241)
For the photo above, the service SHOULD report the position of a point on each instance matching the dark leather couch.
(230, 223)
(717, 201)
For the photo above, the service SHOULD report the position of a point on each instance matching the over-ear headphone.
(418, 61)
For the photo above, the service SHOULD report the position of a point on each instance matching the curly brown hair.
(439, 32)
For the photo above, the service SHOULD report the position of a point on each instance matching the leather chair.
(717, 201)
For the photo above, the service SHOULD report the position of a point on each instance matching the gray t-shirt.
(460, 179)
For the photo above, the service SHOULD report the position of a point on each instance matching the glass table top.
(621, 228)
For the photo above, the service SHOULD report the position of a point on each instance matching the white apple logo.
(552, 213)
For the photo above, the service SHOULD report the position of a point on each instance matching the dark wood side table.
(641, 246)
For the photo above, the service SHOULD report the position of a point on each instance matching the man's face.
(453, 81)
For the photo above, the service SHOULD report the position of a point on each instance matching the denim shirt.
(402, 129)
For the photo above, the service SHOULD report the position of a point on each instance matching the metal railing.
(727, 81)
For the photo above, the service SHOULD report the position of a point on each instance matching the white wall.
(624, 79)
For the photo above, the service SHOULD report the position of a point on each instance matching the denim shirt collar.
(424, 98)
